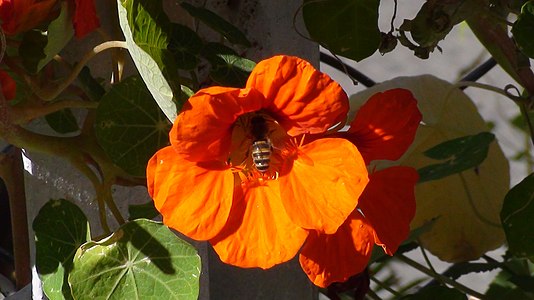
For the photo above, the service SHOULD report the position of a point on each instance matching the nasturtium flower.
(9, 86)
(207, 186)
(384, 127)
(22, 15)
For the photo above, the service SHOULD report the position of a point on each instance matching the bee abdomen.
(261, 154)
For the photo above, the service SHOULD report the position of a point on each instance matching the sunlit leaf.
(227, 67)
(215, 22)
(62, 121)
(130, 126)
(145, 211)
(144, 30)
(466, 204)
(460, 154)
(141, 260)
(346, 27)
(39, 48)
(523, 28)
(516, 216)
(60, 228)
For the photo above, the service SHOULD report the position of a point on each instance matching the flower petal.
(304, 100)
(192, 199)
(85, 18)
(336, 257)
(22, 15)
(321, 187)
(203, 129)
(385, 126)
(388, 202)
(9, 86)
(259, 232)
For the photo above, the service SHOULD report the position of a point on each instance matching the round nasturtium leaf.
(129, 125)
(466, 205)
(60, 228)
(522, 29)
(516, 216)
(141, 260)
(346, 27)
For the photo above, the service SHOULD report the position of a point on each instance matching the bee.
(261, 148)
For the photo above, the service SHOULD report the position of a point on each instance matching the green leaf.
(147, 42)
(141, 260)
(62, 121)
(346, 27)
(523, 28)
(433, 22)
(90, 85)
(60, 228)
(437, 293)
(146, 211)
(460, 154)
(227, 67)
(215, 22)
(457, 270)
(516, 216)
(129, 125)
(39, 48)
(508, 285)
(185, 45)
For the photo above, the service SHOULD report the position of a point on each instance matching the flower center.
(257, 144)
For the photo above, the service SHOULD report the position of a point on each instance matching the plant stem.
(13, 176)
(439, 277)
(51, 93)
(387, 288)
(488, 87)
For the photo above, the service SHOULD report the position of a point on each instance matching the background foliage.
(108, 131)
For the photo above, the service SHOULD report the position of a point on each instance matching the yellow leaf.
(466, 205)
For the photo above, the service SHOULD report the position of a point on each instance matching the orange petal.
(304, 100)
(388, 202)
(321, 187)
(385, 125)
(192, 199)
(259, 232)
(336, 257)
(85, 18)
(22, 15)
(9, 86)
(203, 129)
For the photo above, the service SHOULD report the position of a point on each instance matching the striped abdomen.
(261, 154)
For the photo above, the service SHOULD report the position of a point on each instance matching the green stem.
(488, 87)
(439, 277)
(24, 114)
(387, 288)
(51, 93)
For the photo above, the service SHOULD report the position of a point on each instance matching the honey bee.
(261, 148)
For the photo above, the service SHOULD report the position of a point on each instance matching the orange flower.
(9, 86)
(85, 19)
(22, 15)
(207, 186)
(383, 128)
